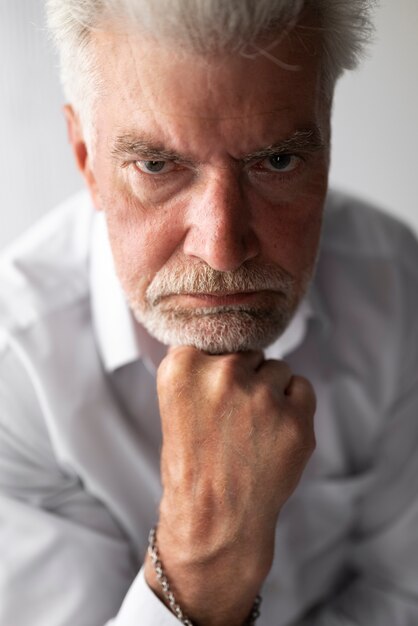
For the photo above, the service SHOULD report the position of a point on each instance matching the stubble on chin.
(221, 329)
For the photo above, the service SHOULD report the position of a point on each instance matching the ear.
(81, 152)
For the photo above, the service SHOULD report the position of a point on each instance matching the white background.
(375, 119)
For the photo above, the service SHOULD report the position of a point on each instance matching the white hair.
(203, 26)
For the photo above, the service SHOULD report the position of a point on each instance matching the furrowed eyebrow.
(127, 146)
(301, 141)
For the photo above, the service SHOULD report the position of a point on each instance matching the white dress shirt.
(80, 433)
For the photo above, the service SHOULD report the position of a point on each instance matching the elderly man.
(202, 130)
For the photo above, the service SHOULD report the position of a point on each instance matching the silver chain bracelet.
(168, 594)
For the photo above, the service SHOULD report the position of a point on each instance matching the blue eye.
(282, 162)
(154, 167)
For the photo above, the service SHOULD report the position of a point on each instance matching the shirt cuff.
(142, 606)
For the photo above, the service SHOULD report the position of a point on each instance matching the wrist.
(202, 595)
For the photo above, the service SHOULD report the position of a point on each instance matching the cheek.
(139, 237)
(289, 220)
(300, 239)
(291, 233)
(140, 240)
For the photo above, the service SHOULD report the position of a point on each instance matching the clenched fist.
(237, 433)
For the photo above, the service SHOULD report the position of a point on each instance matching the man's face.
(212, 175)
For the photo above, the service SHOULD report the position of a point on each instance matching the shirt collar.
(122, 340)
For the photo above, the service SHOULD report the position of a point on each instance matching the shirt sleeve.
(64, 560)
(384, 587)
(141, 606)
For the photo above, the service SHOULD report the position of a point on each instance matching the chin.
(217, 332)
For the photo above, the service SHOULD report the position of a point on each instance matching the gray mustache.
(202, 279)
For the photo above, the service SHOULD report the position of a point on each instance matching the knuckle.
(227, 362)
(177, 360)
(305, 385)
(221, 380)
(168, 369)
(265, 396)
(306, 394)
(284, 368)
(279, 369)
(226, 371)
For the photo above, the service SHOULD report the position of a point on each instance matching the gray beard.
(217, 330)
(221, 329)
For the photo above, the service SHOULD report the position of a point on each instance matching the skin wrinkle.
(341, 32)
(144, 206)
(302, 141)
(129, 38)
(225, 118)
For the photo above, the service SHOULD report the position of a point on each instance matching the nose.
(220, 224)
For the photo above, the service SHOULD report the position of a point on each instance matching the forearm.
(212, 596)
(237, 434)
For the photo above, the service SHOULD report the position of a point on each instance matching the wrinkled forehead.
(172, 80)
(234, 102)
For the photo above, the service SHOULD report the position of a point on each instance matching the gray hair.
(202, 26)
